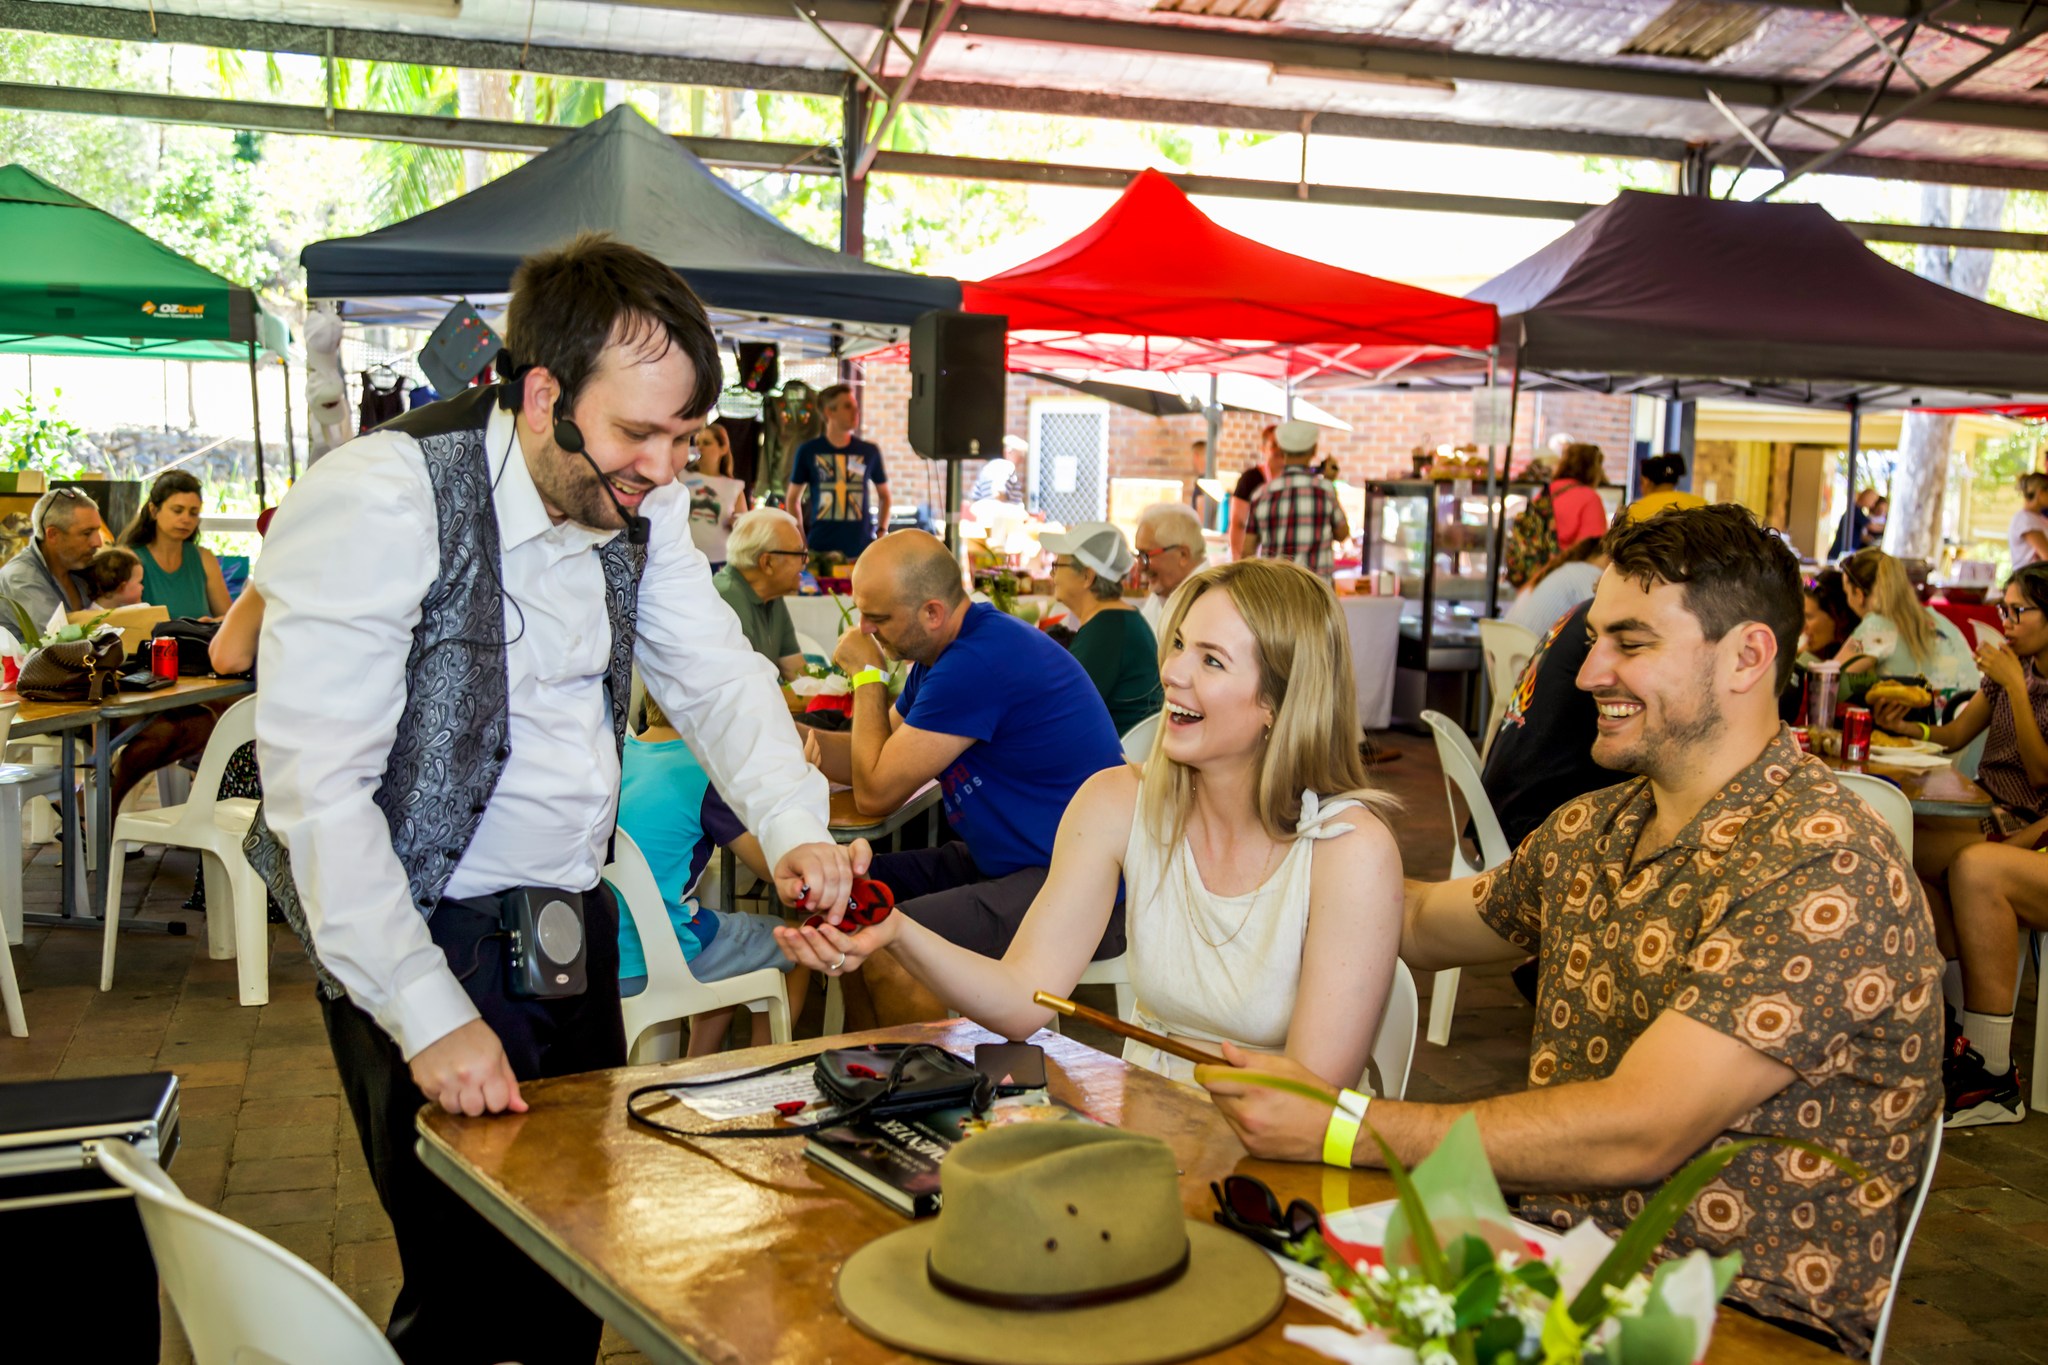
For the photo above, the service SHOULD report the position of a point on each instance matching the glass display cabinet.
(1438, 537)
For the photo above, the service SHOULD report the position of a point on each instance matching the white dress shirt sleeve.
(344, 570)
(722, 697)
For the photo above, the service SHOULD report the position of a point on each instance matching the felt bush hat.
(1060, 1244)
(1097, 544)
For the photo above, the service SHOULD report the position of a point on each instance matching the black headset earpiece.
(568, 435)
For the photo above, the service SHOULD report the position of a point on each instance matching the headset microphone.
(570, 438)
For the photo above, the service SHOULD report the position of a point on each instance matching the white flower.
(1434, 1312)
(1507, 1261)
(1628, 1299)
(1436, 1353)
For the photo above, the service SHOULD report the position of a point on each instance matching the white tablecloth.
(817, 621)
(1375, 627)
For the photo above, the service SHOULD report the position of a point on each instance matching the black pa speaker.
(956, 385)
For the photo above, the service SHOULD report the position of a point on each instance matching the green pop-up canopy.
(76, 280)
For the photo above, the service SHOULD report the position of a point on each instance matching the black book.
(897, 1159)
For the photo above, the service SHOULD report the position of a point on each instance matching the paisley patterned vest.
(452, 741)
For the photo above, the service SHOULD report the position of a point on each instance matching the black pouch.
(878, 1081)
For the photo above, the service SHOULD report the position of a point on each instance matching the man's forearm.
(869, 736)
(1567, 1137)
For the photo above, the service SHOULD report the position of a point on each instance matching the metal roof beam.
(422, 49)
(1975, 13)
(500, 135)
(126, 25)
(1343, 54)
(426, 130)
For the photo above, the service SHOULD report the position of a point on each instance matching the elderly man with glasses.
(764, 561)
(46, 574)
(1170, 547)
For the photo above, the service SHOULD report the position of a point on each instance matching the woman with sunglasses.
(1261, 886)
(2013, 706)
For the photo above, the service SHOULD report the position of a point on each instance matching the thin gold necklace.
(1252, 896)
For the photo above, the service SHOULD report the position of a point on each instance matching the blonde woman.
(1262, 887)
(1896, 636)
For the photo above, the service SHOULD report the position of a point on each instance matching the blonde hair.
(1304, 660)
(1886, 589)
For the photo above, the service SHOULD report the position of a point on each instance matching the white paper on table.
(754, 1097)
(1313, 1288)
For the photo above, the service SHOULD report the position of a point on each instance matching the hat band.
(1046, 1303)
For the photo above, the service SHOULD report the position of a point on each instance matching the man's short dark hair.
(571, 302)
(831, 394)
(1732, 570)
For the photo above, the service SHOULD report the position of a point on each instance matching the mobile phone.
(1014, 1067)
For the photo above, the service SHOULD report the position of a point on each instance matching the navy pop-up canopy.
(624, 176)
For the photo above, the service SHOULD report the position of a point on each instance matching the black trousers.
(469, 1294)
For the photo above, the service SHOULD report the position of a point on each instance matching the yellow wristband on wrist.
(869, 675)
(1926, 730)
(1342, 1134)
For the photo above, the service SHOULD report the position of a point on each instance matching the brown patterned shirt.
(1785, 916)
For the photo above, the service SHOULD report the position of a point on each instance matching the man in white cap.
(1170, 547)
(1297, 515)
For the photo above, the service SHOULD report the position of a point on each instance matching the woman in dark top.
(1114, 643)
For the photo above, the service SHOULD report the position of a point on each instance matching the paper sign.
(1066, 473)
(1490, 425)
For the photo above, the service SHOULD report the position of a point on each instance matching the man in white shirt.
(439, 729)
(1170, 547)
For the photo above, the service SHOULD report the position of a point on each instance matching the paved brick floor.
(268, 1143)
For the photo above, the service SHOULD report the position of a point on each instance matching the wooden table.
(847, 823)
(112, 723)
(726, 1252)
(1933, 791)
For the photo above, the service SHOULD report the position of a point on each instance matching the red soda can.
(1802, 739)
(1856, 726)
(163, 657)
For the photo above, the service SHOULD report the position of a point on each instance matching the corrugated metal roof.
(1788, 45)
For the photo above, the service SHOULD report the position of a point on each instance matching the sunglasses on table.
(1246, 1206)
(870, 905)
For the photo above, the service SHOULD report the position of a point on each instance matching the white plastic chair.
(1393, 1049)
(654, 1018)
(1884, 1316)
(811, 649)
(1112, 971)
(1506, 649)
(17, 782)
(1137, 740)
(241, 1298)
(237, 903)
(1461, 783)
(1887, 802)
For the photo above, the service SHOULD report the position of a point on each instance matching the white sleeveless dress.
(1206, 967)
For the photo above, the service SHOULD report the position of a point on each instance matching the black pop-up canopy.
(1700, 297)
(624, 176)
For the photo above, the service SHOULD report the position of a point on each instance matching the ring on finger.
(834, 968)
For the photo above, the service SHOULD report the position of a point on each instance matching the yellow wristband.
(1926, 731)
(1342, 1134)
(869, 675)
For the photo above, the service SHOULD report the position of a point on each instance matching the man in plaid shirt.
(1296, 515)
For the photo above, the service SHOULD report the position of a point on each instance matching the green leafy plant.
(34, 436)
(34, 636)
(1455, 1286)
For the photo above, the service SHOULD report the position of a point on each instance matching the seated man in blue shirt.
(670, 809)
(1003, 717)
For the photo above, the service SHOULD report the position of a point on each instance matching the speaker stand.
(953, 506)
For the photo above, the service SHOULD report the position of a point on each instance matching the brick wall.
(1386, 425)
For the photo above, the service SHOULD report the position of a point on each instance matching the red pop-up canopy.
(1156, 284)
